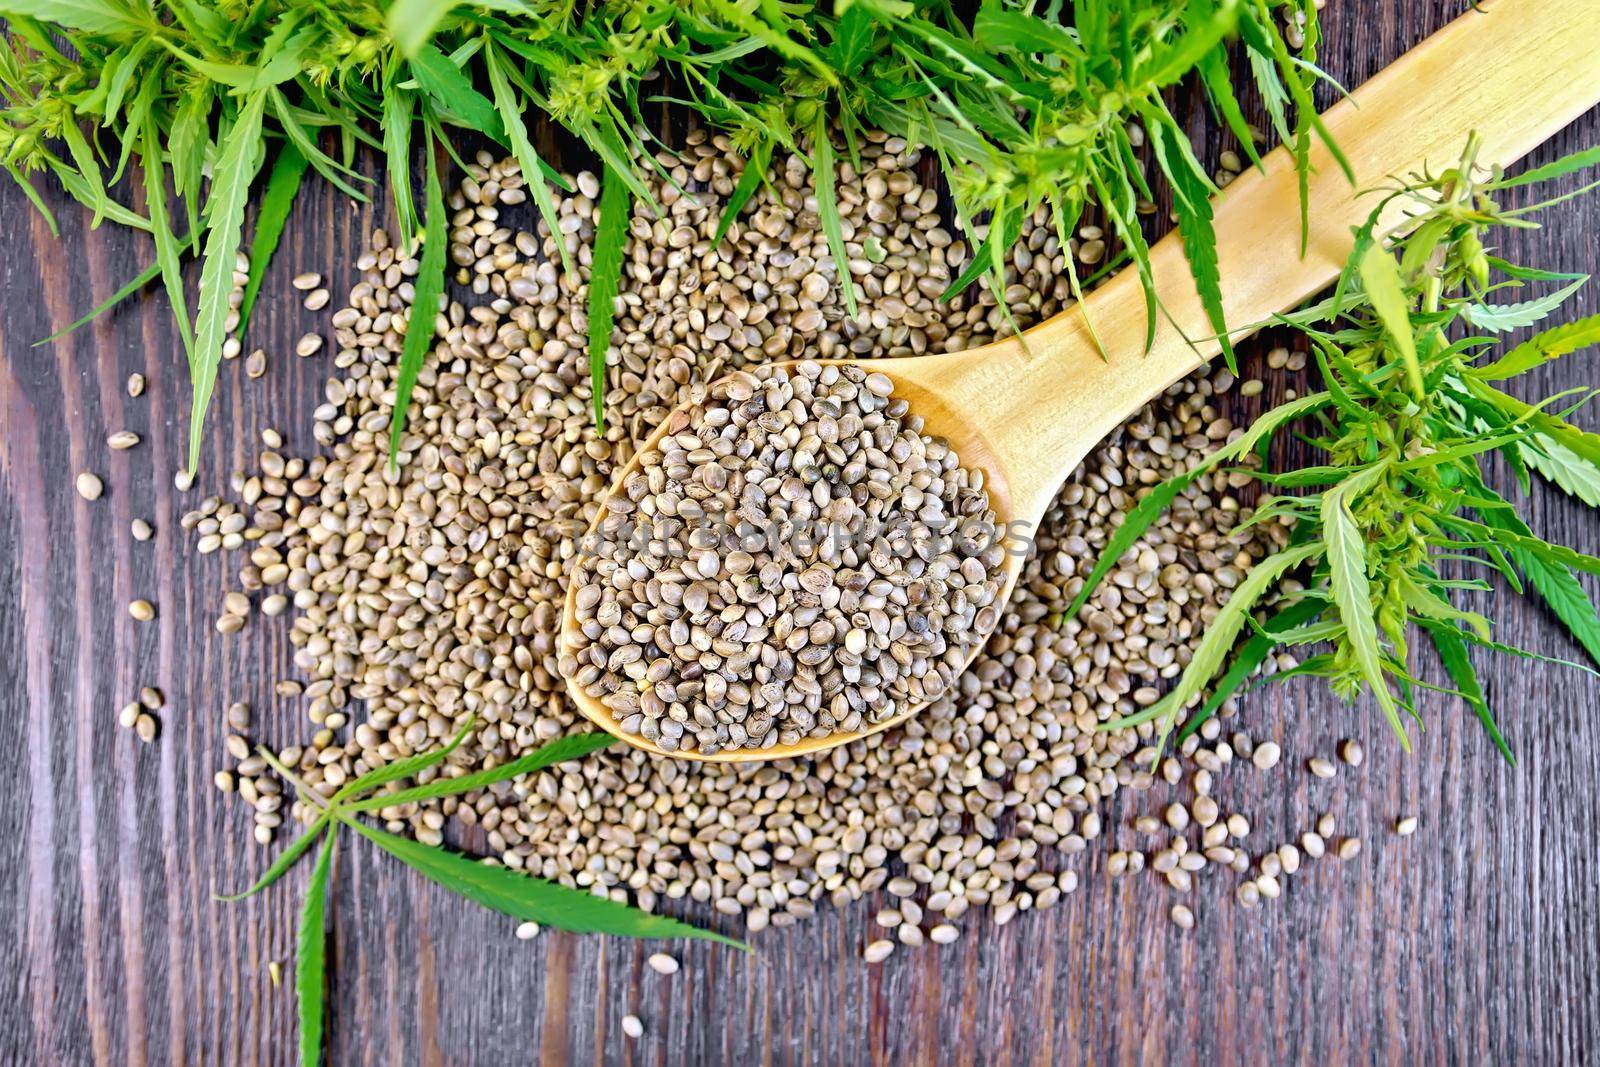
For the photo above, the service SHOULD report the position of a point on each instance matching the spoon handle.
(1516, 72)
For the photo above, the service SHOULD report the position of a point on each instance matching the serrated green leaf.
(1217, 641)
(605, 279)
(411, 22)
(1508, 537)
(1380, 276)
(1250, 656)
(443, 80)
(92, 16)
(303, 143)
(285, 860)
(283, 186)
(1161, 497)
(1352, 593)
(527, 898)
(998, 28)
(1424, 602)
(37, 201)
(1192, 204)
(1200, 37)
(403, 768)
(571, 747)
(397, 110)
(755, 172)
(310, 960)
(1563, 468)
(1452, 649)
(1568, 164)
(230, 188)
(823, 176)
(1541, 349)
(428, 287)
(133, 285)
(533, 167)
(1555, 583)
(1500, 318)
(168, 254)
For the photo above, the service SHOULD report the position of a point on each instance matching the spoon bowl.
(1026, 411)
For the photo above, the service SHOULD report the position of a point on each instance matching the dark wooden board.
(1475, 941)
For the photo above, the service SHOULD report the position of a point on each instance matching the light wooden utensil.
(1515, 72)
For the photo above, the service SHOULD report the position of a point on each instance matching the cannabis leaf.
(1397, 494)
(507, 891)
(1028, 107)
(605, 277)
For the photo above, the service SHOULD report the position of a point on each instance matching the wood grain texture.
(1475, 941)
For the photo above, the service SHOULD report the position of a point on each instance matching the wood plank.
(1474, 940)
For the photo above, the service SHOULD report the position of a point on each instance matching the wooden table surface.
(1476, 940)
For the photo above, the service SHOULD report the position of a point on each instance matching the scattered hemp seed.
(1321, 768)
(129, 715)
(145, 727)
(135, 384)
(122, 440)
(1266, 755)
(306, 280)
(1406, 825)
(661, 963)
(1313, 844)
(142, 610)
(527, 931)
(1351, 752)
(1349, 848)
(142, 530)
(633, 1027)
(223, 781)
(182, 480)
(944, 934)
(504, 431)
(90, 487)
(152, 698)
(275, 973)
(308, 345)
(255, 364)
(878, 951)
(1182, 917)
(316, 300)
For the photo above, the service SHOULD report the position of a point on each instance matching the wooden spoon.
(1515, 72)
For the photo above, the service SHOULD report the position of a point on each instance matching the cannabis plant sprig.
(1390, 525)
(504, 890)
(1028, 108)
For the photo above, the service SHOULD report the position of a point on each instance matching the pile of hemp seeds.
(423, 597)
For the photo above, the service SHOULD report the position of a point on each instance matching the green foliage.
(283, 185)
(1399, 491)
(605, 278)
(501, 889)
(418, 340)
(1029, 106)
